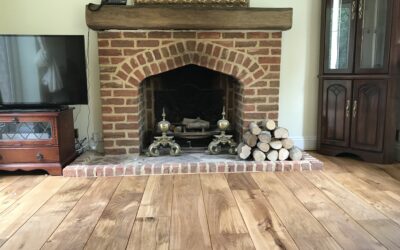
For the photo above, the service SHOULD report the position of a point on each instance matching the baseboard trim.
(305, 142)
(398, 151)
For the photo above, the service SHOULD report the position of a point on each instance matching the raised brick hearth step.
(91, 165)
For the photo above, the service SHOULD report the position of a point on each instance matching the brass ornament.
(164, 140)
(222, 140)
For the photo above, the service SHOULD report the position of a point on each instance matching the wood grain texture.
(306, 232)
(114, 226)
(189, 229)
(378, 225)
(157, 197)
(45, 221)
(176, 18)
(227, 228)
(323, 209)
(18, 213)
(150, 233)
(7, 180)
(76, 228)
(12, 193)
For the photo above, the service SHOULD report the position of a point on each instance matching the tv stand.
(36, 140)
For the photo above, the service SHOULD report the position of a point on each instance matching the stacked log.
(266, 141)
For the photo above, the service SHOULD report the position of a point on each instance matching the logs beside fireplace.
(265, 141)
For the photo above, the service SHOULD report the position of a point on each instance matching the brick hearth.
(128, 57)
(91, 165)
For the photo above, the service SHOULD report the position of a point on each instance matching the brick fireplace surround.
(128, 57)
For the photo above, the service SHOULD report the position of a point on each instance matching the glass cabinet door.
(340, 35)
(373, 30)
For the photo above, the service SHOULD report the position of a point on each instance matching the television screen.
(42, 70)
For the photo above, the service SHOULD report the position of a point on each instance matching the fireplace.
(193, 98)
(140, 69)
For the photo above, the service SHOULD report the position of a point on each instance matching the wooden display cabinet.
(37, 140)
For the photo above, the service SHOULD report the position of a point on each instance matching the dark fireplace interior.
(193, 98)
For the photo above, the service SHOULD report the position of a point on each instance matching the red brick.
(267, 108)
(231, 35)
(126, 93)
(110, 52)
(103, 43)
(109, 69)
(273, 100)
(106, 110)
(277, 35)
(228, 44)
(107, 126)
(242, 44)
(122, 43)
(104, 60)
(191, 45)
(258, 74)
(255, 100)
(270, 43)
(249, 108)
(147, 70)
(122, 110)
(273, 116)
(114, 135)
(117, 60)
(111, 85)
(268, 91)
(122, 75)
(275, 68)
(159, 34)
(257, 35)
(126, 143)
(127, 68)
(272, 76)
(181, 47)
(104, 93)
(139, 74)
(113, 101)
(217, 51)
(165, 52)
(113, 118)
(256, 116)
(106, 34)
(200, 47)
(262, 52)
(269, 60)
(135, 34)
(148, 43)
(163, 67)
(132, 52)
(208, 35)
(154, 68)
(183, 34)
(149, 56)
(157, 54)
(172, 50)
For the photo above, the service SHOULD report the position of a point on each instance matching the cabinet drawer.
(28, 155)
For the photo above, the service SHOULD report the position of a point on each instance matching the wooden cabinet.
(359, 76)
(36, 140)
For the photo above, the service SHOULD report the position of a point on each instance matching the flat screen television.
(42, 71)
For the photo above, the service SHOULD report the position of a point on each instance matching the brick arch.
(210, 55)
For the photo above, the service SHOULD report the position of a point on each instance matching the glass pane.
(25, 131)
(339, 21)
(373, 37)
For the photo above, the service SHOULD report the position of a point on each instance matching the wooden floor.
(350, 205)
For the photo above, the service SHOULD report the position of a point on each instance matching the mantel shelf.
(184, 18)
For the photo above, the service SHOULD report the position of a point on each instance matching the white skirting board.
(398, 151)
(305, 142)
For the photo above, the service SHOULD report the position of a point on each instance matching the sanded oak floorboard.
(189, 228)
(16, 190)
(7, 180)
(379, 226)
(305, 230)
(227, 228)
(114, 226)
(76, 228)
(19, 212)
(44, 222)
(336, 221)
(157, 197)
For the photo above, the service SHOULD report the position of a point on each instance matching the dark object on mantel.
(188, 18)
(197, 3)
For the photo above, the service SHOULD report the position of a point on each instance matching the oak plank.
(131, 18)
(157, 197)
(114, 226)
(76, 228)
(150, 233)
(13, 192)
(241, 182)
(378, 225)
(189, 229)
(307, 231)
(7, 180)
(20, 211)
(347, 233)
(227, 228)
(34, 233)
(265, 228)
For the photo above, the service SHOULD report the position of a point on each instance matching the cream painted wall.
(298, 96)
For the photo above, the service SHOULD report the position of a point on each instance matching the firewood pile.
(264, 141)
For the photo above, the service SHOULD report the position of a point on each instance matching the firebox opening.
(193, 98)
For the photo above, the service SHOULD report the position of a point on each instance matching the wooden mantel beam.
(184, 18)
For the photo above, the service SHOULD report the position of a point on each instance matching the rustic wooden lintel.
(174, 18)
